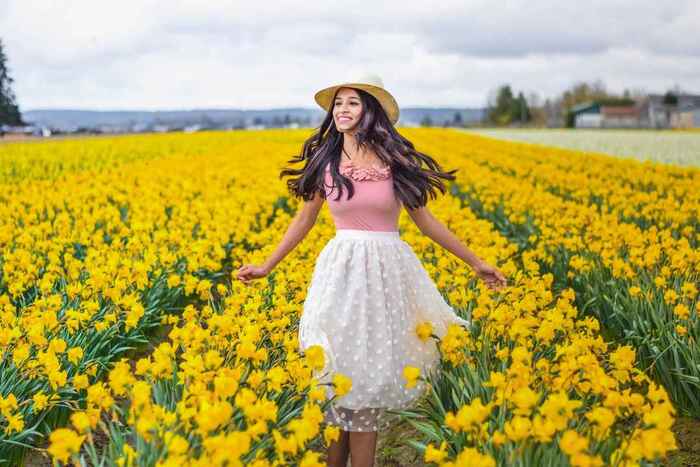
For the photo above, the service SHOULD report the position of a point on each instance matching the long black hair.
(413, 183)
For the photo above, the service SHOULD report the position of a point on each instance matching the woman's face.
(347, 109)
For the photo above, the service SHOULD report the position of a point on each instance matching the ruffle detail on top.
(364, 173)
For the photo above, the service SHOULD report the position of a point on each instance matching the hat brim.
(386, 100)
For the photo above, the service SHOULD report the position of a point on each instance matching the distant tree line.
(507, 109)
(503, 108)
(9, 111)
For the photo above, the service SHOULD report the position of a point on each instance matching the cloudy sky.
(181, 54)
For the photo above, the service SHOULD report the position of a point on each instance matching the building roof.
(618, 111)
(583, 106)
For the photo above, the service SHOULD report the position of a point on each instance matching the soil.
(687, 432)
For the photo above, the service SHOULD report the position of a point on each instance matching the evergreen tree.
(9, 112)
(501, 112)
(670, 98)
(521, 109)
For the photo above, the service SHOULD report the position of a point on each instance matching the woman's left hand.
(491, 275)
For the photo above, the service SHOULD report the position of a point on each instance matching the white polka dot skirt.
(367, 294)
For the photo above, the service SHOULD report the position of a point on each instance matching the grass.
(687, 431)
(391, 449)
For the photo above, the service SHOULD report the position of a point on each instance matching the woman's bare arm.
(297, 230)
(433, 228)
(437, 231)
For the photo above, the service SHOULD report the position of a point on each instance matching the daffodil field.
(126, 339)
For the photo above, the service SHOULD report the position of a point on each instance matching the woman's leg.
(363, 444)
(338, 451)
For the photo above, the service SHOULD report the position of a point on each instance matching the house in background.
(689, 118)
(670, 111)
(687, 114)
(586, 115)
(606, 115)
(626, 116)
(653, 111)
(9, 131)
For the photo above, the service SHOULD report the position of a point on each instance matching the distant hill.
(124, 120)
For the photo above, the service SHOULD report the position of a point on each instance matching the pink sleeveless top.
(373, 206)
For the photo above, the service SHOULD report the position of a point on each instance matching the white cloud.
(183, 54)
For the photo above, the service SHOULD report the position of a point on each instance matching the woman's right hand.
(493, 278)
(248, 272)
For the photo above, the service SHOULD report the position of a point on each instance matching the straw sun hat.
(368, 82)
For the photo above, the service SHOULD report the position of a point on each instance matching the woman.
(368, 291)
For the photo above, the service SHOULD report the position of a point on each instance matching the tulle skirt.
(367, 294)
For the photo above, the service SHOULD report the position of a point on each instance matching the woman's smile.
(347, 109)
